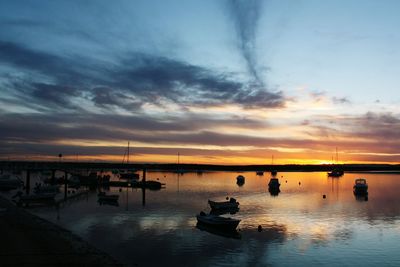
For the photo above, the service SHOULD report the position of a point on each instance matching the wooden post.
(143, 196)
(144, 187)
(28, 181)
(65, 185)
(144, 176)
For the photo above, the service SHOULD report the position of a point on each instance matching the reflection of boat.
(218, 222)
(231, 204)
(259, 173)
(274, 191)
(360, 187)
(336, 173)
(229, 234)
(9, 183)
(103, 197)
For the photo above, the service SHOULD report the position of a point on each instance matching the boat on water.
(9, 183)
(259, 173)
(240, 179)
(220, 232)
(129, 176)
(274, 183)
(274, 172)
(230, 204)
(360, 187)
(336, 173)
(103, 197)
(218, 222)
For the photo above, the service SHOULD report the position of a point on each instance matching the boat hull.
(223, 205)
(225, 224)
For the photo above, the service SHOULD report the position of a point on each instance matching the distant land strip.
(41, 165)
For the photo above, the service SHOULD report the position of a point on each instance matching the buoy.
(286, 181)
(259, 228)
(324, 196)
(120, 190)
(227, 198)
(299, 183)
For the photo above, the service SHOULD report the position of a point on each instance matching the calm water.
(299, 226)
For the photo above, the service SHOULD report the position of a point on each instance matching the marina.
(297, 222)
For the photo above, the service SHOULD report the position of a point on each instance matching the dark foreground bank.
(27, 240)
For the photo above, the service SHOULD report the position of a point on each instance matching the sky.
(219, 82)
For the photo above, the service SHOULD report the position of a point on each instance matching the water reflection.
(297, 227)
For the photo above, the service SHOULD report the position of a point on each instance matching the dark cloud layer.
(127, 84)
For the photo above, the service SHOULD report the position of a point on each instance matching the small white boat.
(9, 183)
(222, 223)
(360, 187)
(103, 197)
(231, 204)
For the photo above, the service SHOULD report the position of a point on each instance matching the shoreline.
(32, 241)
(51, 165)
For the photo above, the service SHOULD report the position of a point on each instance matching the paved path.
(27, 240)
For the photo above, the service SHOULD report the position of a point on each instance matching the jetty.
(28, 240)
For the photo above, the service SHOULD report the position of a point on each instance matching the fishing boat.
(102, 196)
(9, 183)
(222, 223)
(360, 187)
(230, 204)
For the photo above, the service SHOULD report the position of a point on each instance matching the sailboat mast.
(337, 158)
(127, 160)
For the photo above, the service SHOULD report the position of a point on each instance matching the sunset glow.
(236, 88)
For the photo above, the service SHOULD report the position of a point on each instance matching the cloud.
(340, 100)
(129, 83)
(245, 15)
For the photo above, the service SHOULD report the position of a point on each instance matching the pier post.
(28, 181)
(143, 196)
(144, 188)
(144, 176)
(65, 185)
